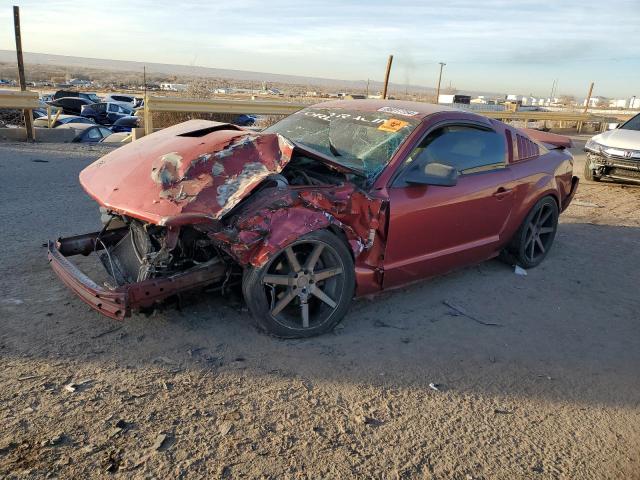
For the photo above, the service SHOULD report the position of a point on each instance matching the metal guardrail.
(177, 104)
(29, 100)
(562, 117)
(21, 100)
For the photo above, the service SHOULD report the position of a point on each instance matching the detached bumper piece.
(118, 302)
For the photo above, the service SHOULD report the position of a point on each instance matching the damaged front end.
(193, 205)
(145, 266)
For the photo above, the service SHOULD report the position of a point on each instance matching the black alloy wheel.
(534, 238)
(305, 289)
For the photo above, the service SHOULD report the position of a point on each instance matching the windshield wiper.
(323, 157)
(334, 150)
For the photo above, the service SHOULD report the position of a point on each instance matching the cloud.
(340, 38)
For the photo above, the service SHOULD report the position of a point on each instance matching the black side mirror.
(432, 174)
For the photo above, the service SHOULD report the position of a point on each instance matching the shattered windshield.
(363, 141)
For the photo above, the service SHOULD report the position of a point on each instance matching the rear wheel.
(534, 238)
(305, 289)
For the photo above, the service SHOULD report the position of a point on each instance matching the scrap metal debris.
(518, 270)
(582, 203)
(435, 386)
(459, 311)
(106, 332)
(160, 441)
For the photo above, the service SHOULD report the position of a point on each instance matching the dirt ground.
(552, 392)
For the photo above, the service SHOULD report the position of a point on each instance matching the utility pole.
(28, 121)
(586, 105)
(367, 88)
(442, 64)
(386, 77)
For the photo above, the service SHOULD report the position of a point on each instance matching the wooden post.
(386, 77)
(439, 80)
(28, 120)
(586, 105)
(148, 117)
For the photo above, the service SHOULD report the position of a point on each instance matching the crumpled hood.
(619, 138)
(197, 169)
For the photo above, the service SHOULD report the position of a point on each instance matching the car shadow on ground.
(568, 331)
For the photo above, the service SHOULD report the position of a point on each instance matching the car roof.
(75, 99)
(372, 105)
(127, 119)
(78, 126)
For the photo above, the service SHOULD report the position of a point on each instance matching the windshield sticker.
(393, 125)
(398, 111)
(341, 116)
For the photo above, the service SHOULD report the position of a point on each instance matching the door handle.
(502, 193)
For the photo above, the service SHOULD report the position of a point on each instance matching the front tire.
(534, 238)
(305, 289)
(589, 173)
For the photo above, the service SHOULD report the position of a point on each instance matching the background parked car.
(88, 133)
(71, 105)
(245, 120)
(120, 137)
(72, 94)
(125, 124)
(105, 113)
(615, 154)
(127, 101)
(62, 120)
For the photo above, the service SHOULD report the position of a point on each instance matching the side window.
(113, 107)
(94, 133)
(467, 149)
(105, 131)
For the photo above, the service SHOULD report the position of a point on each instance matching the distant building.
(632, 102)
(311, 94)
(173, 87)
(450, 99)
(595, 101)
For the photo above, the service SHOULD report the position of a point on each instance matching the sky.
(507, 46)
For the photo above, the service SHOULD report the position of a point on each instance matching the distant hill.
(187, 70)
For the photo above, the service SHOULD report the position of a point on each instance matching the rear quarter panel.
(547, 174)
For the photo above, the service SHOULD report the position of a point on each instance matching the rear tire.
(533, 240)
(305, 289)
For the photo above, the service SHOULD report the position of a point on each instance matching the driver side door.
(434, 229)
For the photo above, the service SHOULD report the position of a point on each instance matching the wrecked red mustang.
(341, 199)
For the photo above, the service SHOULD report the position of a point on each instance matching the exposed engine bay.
(149, 251)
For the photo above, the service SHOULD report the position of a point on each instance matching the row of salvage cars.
(93, 119)
(341, 199)
(87, 131)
